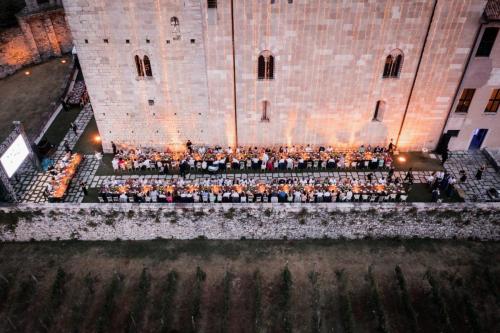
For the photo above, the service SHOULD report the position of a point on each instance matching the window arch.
(139, 66)
(265, 66)
(147, 66)
(393, 64)
(378, 115)
(176, 27)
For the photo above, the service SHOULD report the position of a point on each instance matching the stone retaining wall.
(252, 221)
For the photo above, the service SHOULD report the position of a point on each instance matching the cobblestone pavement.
(30, 183)
(470, 162)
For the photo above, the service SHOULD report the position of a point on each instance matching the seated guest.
(123, 198)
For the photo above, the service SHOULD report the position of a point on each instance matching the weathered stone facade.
(252, 221)
(42, 33)
(329, 59)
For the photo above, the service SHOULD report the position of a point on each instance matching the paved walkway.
(31, 183)
(470, 162)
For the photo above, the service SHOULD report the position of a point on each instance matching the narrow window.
(86, 41)
(193, 41)
(127, 41)
(176, 28)
(387, 66)
(487, 41)
(261, 67)
(290, 1)
(147, 66)
(465, 100)
(494, 102)
(151, 102)
(396, 66)
(212, 4)
(105, 40)
(147, 41)
(265, 109)
(379, 111)
(265, 66)
(138, 65)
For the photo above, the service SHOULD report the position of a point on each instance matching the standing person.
(74, 128)
(444, 156)
(435, 195)
(391, 147)
(409, 176)
(83, 186)
(64, 105)
(390, 174)
(479, 173)
(113, 146)
(463, 176)
(66, 146)
(189, 146)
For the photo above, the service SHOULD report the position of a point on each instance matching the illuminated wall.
(329, 59)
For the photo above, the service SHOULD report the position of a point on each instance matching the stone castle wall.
(329, 59)
(39, 36)
(251, 221)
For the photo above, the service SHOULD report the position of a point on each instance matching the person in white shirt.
(123, 198)
(114, 162)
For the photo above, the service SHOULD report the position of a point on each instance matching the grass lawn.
(28, 98)
(250, 286)
(60, 126)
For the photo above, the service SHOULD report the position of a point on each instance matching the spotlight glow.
(401, 159)
(97, 138)
(27, 73)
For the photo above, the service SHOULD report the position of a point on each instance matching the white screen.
(14, 156)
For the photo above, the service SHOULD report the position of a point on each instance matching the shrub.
(315, 303)
(226, 301)
(257, 300)
(439, 303)
(55, 301)
(378, 311)
(112, 290)
(196, 300)
(285, 295)
(229, 214)
(168, 291)
(135, 316)
(345, 302)
(80, 309)
(405, 298)
(24, 295)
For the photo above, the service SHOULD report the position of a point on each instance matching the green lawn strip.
(345, 304)
(106, 312)
(405, 299)
(6, 281)
(164, 310)
(135, 316)
(60, 126)
(81, 308)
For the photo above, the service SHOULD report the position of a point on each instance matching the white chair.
(356, 197)
(323, 165)
(155, 199)
(364, 197)
(309, 165)
(392, 197)
(353, 165)
(348, 196)
(366, 163)
(316, 165)
(147, 199)
(403, 197)
(101, 199)
(373, 198)
(116, 199)
(243, 199)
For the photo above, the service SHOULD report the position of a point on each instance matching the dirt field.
(250, 286)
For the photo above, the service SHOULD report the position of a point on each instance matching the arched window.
(379, 111)
(176, 27)
(138, 66)
(147, 66)
(265, 111)
(265, 66)
(387, 66)
(393, 64)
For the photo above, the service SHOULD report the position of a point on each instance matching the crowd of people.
(218, 159)
(301, 189)
(61, 175)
